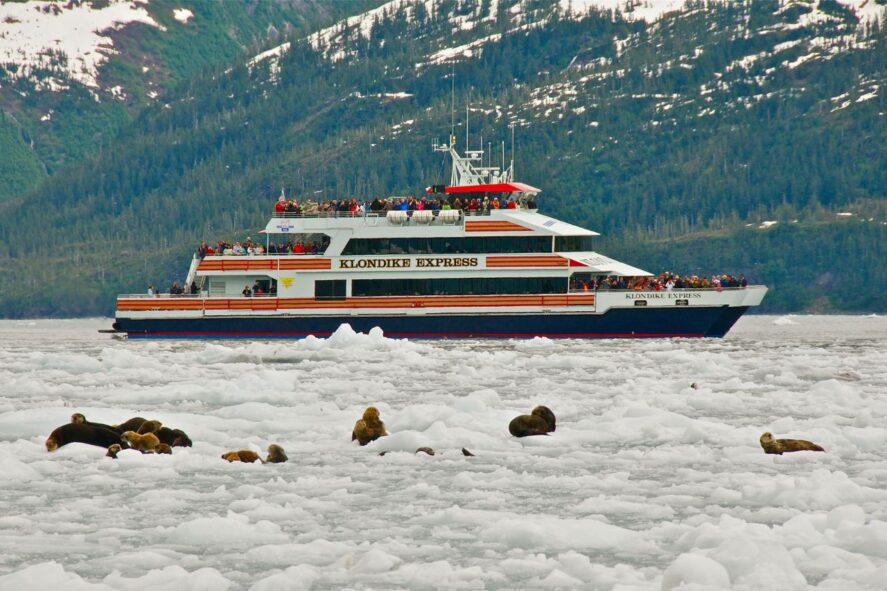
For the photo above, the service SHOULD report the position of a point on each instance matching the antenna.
(512, 151)
(503, 158)
(453, 102)
(467, 105)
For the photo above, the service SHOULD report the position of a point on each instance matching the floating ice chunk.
(171, 578)
(758, 563)
(784, 321)
(867, 439)
(695, 569)
(14, 471)
(558, 579)
(845, 514)
(233, 529)
(376, 561)
(47, 575)
(478, 401)
(319, 552)
(295, 578)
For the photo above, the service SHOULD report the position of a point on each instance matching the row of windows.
(573, 244)
(471, 245)
(459, 286)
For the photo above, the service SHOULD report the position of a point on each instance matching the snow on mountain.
(645, 10)
(67, 38)
(183, 15)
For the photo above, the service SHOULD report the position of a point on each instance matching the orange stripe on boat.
(526, 261)
(296, 264)
(487, 226)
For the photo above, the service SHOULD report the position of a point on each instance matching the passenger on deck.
(531, 203)
(257, 289)
(247, 292)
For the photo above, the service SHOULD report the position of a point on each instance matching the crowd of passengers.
(248, 247)
(380, 206)
(662, 282)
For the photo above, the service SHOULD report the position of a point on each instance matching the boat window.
(329, 290)
(454, 245)
(459, 286)
(572, 244)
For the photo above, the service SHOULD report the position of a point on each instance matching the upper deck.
(447, 222)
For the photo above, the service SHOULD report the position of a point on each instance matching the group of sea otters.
(143, 435)
(152, 437)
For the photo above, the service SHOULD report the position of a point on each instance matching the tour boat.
(447, 273)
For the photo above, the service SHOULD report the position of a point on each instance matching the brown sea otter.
(541, 421)
(781, 446)
(91, 434)
(369, 428)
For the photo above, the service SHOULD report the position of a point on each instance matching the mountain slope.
(73, 74)
(677, 138)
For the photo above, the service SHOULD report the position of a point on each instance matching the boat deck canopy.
(592, 262)
(510, 187)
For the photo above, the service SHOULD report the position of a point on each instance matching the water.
(643, 468)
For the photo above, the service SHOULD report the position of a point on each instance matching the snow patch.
(183, 15)
(64, 37)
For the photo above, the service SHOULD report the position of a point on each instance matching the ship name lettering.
(683, 295)
(447, 262)
(374, 263)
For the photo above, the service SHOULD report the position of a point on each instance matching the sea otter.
(545, 413)
(276, 454)
(163, 448)
(143, 442)
(79, 419)
(244, 455)
(173, 437)
(540, 422)
(781, 446)
(133, 424)
(91, 434)
(369, 428)
(149, 427)
(426, 450)
(113, 450)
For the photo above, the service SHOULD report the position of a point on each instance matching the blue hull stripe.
(616, 323)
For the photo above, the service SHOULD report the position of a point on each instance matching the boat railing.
(203, 295)
(396, 217)
(673, 290)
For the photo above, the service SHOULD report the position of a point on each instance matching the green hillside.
(652, 135)
(147, 63)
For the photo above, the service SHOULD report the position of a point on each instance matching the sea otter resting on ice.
(79, 419)
(149, 427)
(89, 433)
(369, 428)
(173, 437)
(143, 442)
(541, 421)
(244, 455)
(133, 424)
(276, 455)
(781, 446)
